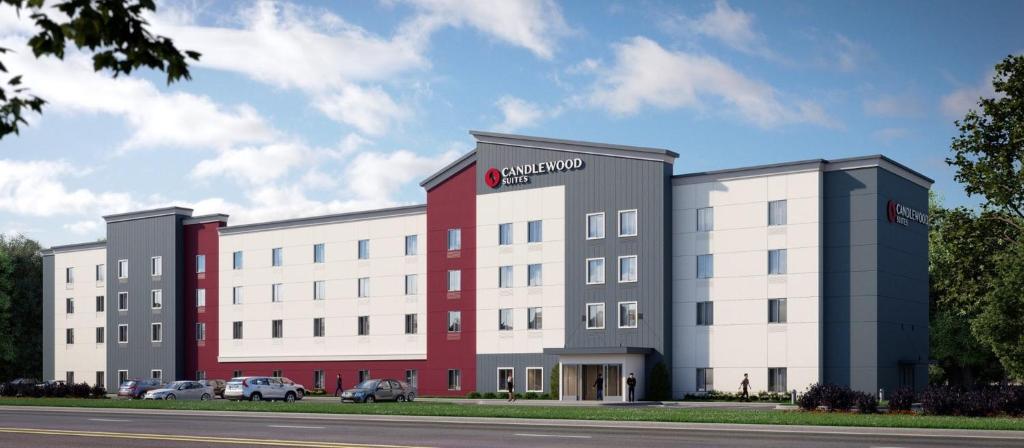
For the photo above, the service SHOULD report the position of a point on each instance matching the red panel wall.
(451, 205)
(201, 239)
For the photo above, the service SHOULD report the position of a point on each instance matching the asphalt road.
(35, 427)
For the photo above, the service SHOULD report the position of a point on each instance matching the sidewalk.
(524, 402)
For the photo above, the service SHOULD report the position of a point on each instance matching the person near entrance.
(337, 386)
(511, 389)
(631, 384)
(744, 386)
(599, 386)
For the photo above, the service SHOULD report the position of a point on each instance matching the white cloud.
(646, 74)
(377, 176)
(82, 227)
(370, 110)
(36, 188)
(849, 54)
(519, 113)
(532, 24)
(253, 165)
(956, 103)
(894, 106)
(733, 27)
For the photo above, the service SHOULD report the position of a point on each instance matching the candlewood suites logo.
(520, 174)
(903, 215)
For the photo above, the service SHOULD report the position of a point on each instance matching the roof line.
(154, 212)
(326, 219)
(817, 164)
(449, 169)
(73, 247)
(483, 135)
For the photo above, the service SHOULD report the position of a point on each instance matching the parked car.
(181, 390)
(370, 391)
(138, 388)
(24, 381)
(217, 385)
(298, 387)
(257, 388)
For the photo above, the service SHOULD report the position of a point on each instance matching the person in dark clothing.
(631, 384)
(511, 389)
(744, 386)
(337, 386)
(599, 385)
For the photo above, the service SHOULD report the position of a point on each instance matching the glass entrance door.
(570, 382)
(613, 380)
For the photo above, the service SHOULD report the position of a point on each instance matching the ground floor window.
(70, 378)
(906, 375)
(776, 379)
(318, 379)
(705, 380)
(276, 373)
(200, 375)
(122, 376)
(535, 379)
(156, 374)
(504, 375)
(364, 375)
(236, 373)
(454, 379)
(411, 377)
(101, 378)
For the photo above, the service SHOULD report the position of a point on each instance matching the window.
(318, 253)
(627, 315)
(455, 321)
(705, 313)
(276, 256)
(236, 373)
(777, 213)
(101, 304)
(454, 280)
(156, 374)
(69, 336)
(200, 264)
(122, 376)
(318, 379)
(364, 287)
(277, 329)
(533, 275)
(236, 295)
(595, 271)
(236, 260)
(122, 268)
(318, 327)
(156, 266)
(705, 219)
(69, 275)
(505, 234)
(364, 325)
(411, 285)
(705, 266)
(364, 249)
(200, 375)
(627, 269)
(156, 332)
(595, 316)
(454, 379)
(534, 231)
(595, 226)
(535, 318)
(200, 331)
(627, 223)
(454, 239)
(505, 319)
(101, 272)
(69, 376)
(411, 326)
(412, 378)
(122, 334)
(319, 290)
(100, 334)
(535, 379)
(200, 298)
(776, 261)
(505, 276)
(503, 374)
(69, 305)
(236, 330)
(776, 379)
(705, 380)
(364, 374)
(122, 301)
(156, 299)
(411, 245)
(276, 291)
(100, 378)
(776, 311)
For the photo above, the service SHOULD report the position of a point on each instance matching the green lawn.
(767, 417)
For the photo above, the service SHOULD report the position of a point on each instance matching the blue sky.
(300, 109)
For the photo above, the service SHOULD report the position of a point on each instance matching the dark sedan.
(370, 391)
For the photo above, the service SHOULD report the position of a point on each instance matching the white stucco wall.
(85, 357)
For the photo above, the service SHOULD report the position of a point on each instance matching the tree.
(658, 384)
(21, 308)
(114, 31)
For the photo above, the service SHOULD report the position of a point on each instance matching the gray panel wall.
(487, 369)
(48, 316)
(875, 280)
(606, 184)
(137, 241)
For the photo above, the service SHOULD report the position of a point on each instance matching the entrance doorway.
(579, 381)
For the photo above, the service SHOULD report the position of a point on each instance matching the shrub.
(79, 390)
(473, 394)
(658, 387)
(1011, 400)
(555, 383)
(902, 399)
(866, 403)
(811, 398)
(98, 391)
(531, 396)
(830, 396)
(489, 395)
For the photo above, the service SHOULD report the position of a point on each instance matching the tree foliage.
(114, 32)
(21, 305)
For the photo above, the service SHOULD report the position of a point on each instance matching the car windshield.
(368, 384)
(175, 385)
(128, 383)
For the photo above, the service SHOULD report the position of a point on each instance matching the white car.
(181, 390)
(257, 388)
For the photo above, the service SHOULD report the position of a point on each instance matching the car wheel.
(205, 397)
(369, 399)
(400, 398)
(289, 397)
(301, 394)
(255, 397)
(170, 397)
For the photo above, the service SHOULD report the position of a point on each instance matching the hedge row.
(833, 397)
(53, 390)
(714, 395)
(493, 395)
(985, 402)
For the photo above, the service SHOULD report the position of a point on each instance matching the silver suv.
(257, 388)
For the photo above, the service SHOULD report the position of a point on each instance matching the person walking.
(744, 386)
(337, 386)
(631, 384)
(511, 389)
(599, 385)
